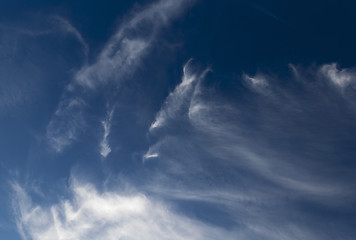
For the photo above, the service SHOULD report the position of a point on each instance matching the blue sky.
(177, 119)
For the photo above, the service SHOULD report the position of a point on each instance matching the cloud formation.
(67, 27)
(275, 145)
(119, 58)
(178, 100)
(89, 214)
(24, 79)
(125, 49)
(257, 83)
(66, 123)
(341, 78)
(239, 169)
(229, 155)
(52, 25)
(104, 144)
(226, 131)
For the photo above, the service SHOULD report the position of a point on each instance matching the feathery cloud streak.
(104, 144)
(21, 85)
(120, 57)
(179, 98)
(130, 43)
(341, 78)
(89, 214)
(54, 24)
(253, 173)
(253, 143)
(281, 147)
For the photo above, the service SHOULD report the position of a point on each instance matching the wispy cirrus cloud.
(257, 83)
(89, 214)
(52, 25)
(22, 85)
(274, 144)
(179, 99)
(256, 167)
(119, 58)
(132, 41)
(150, 155)
(66, 123)
(340, 78)
(104, 144)
(227, 132)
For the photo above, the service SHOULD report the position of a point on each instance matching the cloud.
(178, 99)
(119, 58)
(257, 83)
(150, 155)
(67, 27)
(50, 25)
(23, 75)
(89, 214)
(124, 51)
(66, 123)
(340, 78)
(252, 159)
(246, 166)
(260, 135)
(104, 144)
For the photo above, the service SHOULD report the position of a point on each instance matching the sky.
(177, 119)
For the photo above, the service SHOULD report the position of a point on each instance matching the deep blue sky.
(184, 119)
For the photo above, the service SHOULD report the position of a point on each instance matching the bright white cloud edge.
(89, 214)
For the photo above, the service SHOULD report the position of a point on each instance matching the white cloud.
(119, 58)
(257, 83)
(341, 78)
(177, 100)
(225, 164)
(114, 66)
(50, 25)
(257, 137)
(20, 88)
(104, 144)
(149, 155)
(66, 123)
(90, 214)
(124, 51)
